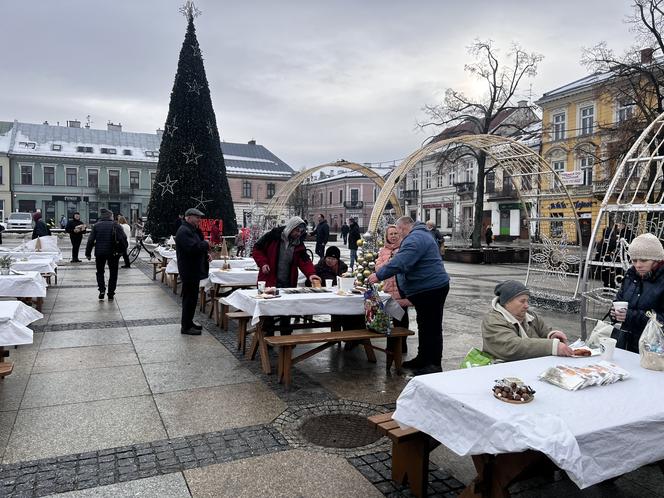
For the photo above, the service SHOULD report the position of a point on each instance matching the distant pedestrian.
(192, 255)
(2, 229)
(433, 230)
(40, 229)
(138, 229)
(322, 233)
(215, 233)
(344, 232)
(109, 242)
(240, 242)
(122, 221)
(488, 235)
(422, 279)
(63, 222)
(353, 236)
(75, 228)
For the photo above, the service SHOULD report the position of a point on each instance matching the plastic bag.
(476, 358)
(374, 312)
(601, 329)
(651, 344)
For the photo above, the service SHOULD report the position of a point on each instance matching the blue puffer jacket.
(642, 294)
(418, 265)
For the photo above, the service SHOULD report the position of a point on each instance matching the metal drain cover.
(338, 430)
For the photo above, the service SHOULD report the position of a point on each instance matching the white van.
(19, 220)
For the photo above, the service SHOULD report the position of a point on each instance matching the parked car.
(19, 220)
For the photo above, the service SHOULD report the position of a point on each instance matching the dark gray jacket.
(101, 238)
(192, 253)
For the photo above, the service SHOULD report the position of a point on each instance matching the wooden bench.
(286, 343)
(157, 268)
(410, 452)
(243, 323)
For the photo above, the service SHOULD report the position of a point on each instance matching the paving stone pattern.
(126, 463)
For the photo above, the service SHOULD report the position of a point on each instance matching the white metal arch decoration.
(632, 205)
(545, 205)
(280, 198)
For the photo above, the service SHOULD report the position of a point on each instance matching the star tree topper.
(167, 185)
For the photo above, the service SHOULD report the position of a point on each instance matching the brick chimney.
(646, 55)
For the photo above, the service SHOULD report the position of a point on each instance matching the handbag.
(599, 331)
(375, 316)
(118, 247)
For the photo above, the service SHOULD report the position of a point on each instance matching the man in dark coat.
(344, 232)
(40, 230)
(75, 235)
(109, 242)
(192, 254)
(488, 235)
(353, 236)
(322, 233)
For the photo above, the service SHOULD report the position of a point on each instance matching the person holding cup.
(642, 290)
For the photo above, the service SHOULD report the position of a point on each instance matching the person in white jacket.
(122, 221)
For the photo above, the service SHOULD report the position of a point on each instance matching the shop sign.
(583, 204)
(430, 206)
(571, 177)
(558, 205)
(585, 216)
(66, 198)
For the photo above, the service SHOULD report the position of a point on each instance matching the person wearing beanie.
(331, 266)
(642, 288)
(511, 332)
(279, 254)
(40, 229)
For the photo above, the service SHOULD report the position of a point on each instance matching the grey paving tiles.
(181, 346)
(54, 360)
(165, 486)
(102, 467)
(88, 337)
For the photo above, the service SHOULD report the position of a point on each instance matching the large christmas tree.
(191, 170)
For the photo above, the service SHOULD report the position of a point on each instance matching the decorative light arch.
(545, 205)
(280, 198)
(631, 206)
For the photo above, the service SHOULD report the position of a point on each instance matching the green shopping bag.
(476, 358)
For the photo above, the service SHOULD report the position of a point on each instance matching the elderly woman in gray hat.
(511, 332)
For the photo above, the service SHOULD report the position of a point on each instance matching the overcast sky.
(313, 81)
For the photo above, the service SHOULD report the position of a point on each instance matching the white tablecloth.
(594, 434)
(14, 316)
(234, 276)
(18, 255)
(35, 264)
(165, 252)
(327, 303)
(29, 284)
(172, 266)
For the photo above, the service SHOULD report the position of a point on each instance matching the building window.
(107, 150)
(559, 126)
(491, 182)
(451, 176)
(93, 178)
(126, 152)
(557, 229)
(354, 195)
(341, 196)
(87, 150)
(113, 181)
(49, 210)
(27, 145)
(439, 180)
(558, 167)
(321, 198)
(1, 176)
(507, 183)
(375, 194)
(271, 188)
(71, 177)
(330, 197)
(587, 117)
(427, 214)
(151, 153)
(414, 181)
(450, 217)
(470, 172)
(246, 189)
(153, 178)
(587, 163)
(427, 179)
(26, 175)
(49, 175)
(56, 147)
(134, 179)
(624, 111)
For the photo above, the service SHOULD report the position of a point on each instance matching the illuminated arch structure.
(631, 206)
(546, 207)
(279, 201)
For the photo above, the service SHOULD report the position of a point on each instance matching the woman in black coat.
(40, 230)
(642, 288)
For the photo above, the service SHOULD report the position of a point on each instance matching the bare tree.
(635, 80)
(460, 114)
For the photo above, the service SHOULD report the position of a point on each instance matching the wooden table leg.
(224, 309)
(258, 345)
(164, 264)
(287, 353)
(371, 356)
(39, 303)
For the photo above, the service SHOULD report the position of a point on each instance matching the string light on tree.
(194, 87)
(167, 185)
(196, 52)
(192, 156)
(171, 128)
(201, 201)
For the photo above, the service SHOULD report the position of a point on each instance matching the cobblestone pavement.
(111, 400)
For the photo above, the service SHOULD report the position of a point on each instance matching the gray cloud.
(313, 81)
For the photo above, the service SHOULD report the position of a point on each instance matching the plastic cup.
(329, 282)
(620, 305)
(607, 345)
(261, 286)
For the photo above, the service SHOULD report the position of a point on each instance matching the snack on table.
(512, 390)
(582, 352)
(573, 378)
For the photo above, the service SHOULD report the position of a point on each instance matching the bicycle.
(136, 250)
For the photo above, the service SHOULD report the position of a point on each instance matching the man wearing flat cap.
(510, 332)
(192, 255)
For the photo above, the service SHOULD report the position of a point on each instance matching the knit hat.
(646, 246)
(508, 290)
(333, 252)
(36, 216)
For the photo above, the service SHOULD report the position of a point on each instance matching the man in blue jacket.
(421, 278)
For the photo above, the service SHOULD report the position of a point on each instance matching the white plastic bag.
(601, 329)
(651, 344)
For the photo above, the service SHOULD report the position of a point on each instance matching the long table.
(593, 434)
(28, 284)
(324, 303)
(14, 318)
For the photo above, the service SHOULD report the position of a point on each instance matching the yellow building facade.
(575, 143)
